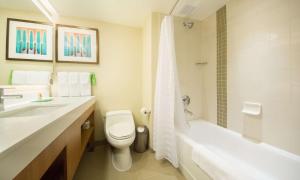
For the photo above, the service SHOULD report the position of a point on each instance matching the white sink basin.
(31, 110)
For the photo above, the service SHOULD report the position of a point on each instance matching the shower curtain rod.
(173, 8)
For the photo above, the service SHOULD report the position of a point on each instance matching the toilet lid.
(121, 130)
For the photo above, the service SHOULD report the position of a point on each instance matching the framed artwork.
(77, 44)
(29, 40)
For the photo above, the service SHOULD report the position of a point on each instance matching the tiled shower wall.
(263, 47)
(187, 43)
(221, 68)
(263, 65)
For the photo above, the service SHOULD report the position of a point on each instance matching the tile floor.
(97, 166)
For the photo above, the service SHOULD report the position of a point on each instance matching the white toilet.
(120, 133)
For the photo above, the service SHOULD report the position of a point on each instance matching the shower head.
(188, 24)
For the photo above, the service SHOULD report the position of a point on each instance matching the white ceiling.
(126, 12)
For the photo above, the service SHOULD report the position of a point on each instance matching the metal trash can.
(141, 139)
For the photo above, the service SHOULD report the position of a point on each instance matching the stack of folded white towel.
(30, 78)
(68, 83)
(73, 84)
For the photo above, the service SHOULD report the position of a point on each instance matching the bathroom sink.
(31, 110)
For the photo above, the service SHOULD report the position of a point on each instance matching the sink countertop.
(23, 138)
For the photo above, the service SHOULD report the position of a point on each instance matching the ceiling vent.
(187, 10)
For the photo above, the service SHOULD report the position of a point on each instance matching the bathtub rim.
(262, 144)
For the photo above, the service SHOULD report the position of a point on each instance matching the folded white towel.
(19, 78)
(31, 78)
(74, 84)
(74, 90)
(85, 90)
(73, 78)
(63, 84)
(62, 78)
(85, 78)
(63, 90)
(38, 77)
(85, 84)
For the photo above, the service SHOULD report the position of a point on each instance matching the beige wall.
(151, 32)
(147, 64)
(119, 74)
(264, 67)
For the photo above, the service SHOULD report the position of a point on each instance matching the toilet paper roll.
(144, 111)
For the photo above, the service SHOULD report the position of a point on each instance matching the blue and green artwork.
(31, 41)
(77, 45)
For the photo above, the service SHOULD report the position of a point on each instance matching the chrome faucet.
(3, 97)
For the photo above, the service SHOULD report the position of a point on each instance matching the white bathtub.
(257, 160)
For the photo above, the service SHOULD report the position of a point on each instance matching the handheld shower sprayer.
(186, 102)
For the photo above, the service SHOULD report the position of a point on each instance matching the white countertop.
(23, 138)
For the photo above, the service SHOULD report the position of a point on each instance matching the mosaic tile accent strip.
(221, 67)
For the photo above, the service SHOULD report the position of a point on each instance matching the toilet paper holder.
(145, 112)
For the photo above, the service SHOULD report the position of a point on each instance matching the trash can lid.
(140, 129)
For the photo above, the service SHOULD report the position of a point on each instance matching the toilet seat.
(121, 130)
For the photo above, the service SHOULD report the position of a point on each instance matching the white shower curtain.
(168, 107)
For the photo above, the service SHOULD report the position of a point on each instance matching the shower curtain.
(168, 107)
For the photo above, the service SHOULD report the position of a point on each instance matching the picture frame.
(28, 40)
(75, 44)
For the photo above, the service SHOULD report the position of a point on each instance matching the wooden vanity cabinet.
(61, 158)
(73, 150)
